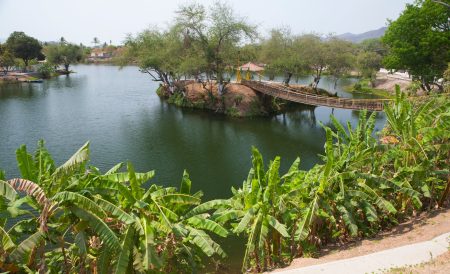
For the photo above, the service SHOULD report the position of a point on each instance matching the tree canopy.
(216, 31)
(200, 42)
(419, 42)
(24, 47)
(63, 54)
(7, 59)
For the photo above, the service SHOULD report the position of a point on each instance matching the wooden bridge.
(298, 96)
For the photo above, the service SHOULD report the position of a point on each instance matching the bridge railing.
(314, 99)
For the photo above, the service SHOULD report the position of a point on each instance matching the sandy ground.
(386, 82)
(236, 96)
(422, 228)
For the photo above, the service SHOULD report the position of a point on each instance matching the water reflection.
(123, 118)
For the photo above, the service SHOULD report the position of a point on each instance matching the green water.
(120, 114)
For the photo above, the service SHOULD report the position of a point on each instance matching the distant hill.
(356, 38)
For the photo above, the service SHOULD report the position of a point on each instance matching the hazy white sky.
(81, 20)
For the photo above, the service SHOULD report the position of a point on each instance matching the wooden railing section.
(295, 95)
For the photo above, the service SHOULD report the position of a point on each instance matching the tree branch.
(442, 3)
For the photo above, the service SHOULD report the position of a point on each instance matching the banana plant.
(420, 153)
(40, 181)
(103, 222)
(258, 210)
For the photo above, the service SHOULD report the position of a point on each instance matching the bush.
(357, 86)
(46, 70)
(233, 112)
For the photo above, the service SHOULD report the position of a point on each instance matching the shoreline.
(28, 77)
(235, 100)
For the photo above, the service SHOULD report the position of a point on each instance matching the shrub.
(46, 70)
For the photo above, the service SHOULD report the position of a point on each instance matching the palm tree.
(95, 41)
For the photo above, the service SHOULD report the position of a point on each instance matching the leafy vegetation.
(78, 219)
(25, 47)
(201, 41)
(74, 218)
(418, 42)
(63, 54)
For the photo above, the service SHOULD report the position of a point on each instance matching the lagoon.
(120, 114)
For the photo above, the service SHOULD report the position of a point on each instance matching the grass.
(233, 112)
(363, 86)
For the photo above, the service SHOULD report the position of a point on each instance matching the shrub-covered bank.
(235, 100)
(87, 221)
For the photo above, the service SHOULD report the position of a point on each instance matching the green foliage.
(233, 112)
(419, 41)
(295, 55)
(7, 59)
(368, 63)
(216, 31)
(362, 186)
(201, 42)
(178, 99)
(24, 47)
(107, 222)
(46, 70)
(63, 54)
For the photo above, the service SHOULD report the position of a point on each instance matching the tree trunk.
(25, 61)
(288, 78)
(317, 78)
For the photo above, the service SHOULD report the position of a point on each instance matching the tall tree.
(24, 46)
(419, 42)
(158, 53)
(281, 53)
(217, 32)
(95, 41)
(314, 54)
(368, 63)
(63, 54)
(341, 57)
(7, 60)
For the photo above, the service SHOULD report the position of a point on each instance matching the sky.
(82, 20)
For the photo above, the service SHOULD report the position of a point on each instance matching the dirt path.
(422, 228)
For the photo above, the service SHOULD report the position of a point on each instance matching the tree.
(374, 45)
(158, 53)
(63, 54)
(7, 60)
(217, 33)
(341, 58)
(281, 53)
(419, 42)
(95, 41)
(24, 47)
(313, 52)
(368, 63)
